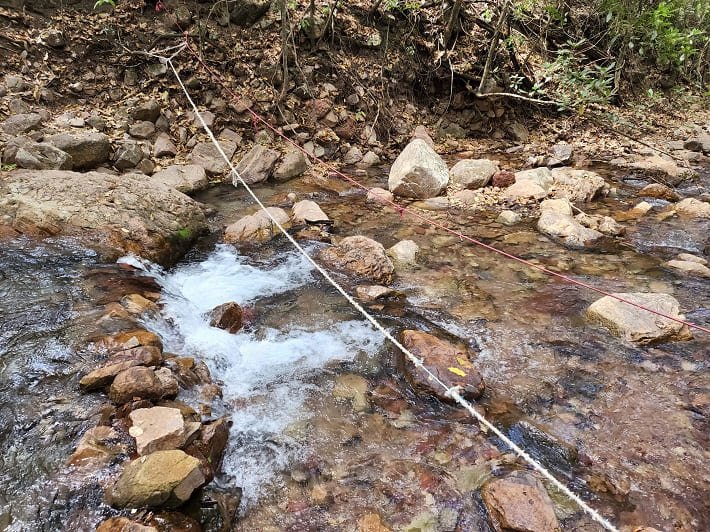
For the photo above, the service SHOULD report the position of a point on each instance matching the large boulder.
(88, 149)
(520, 502)
(473, 173)
(188, 178)
(116, 214)
(21, 123)
(449, 362)
(542, 177)
(418, 172)
(293, 165)
(160, 428)
(257, 227)
(638, 325)
(577, 185)
(360, 256)
(257, 165)
(163, 478)
(36, 155)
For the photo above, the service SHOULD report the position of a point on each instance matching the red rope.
(403, 209)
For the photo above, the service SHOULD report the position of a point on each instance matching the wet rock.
(205, 154)
(209, 447)
(129, 340)
(21, 123)
(146, 111)
(353, 387)
(188, 178)
(88, 149)
(293, 165)
(524, 190)
(129, 156)
(40, 156)
(404, 253)
(160, 429)
(227, 316)
(137, 304)
(121, 361)
(539, 440)
(362, 257)
(257, 227)
(168, 383)
(577, 185)
(95, 448)
(559, 154)
(503, 179)
(542, 177)
(418, 172)
(509, 218)
(163, 478)
(379, 195)
(692, 208)
(473, 173)
(449, 362)
(659, 191)
(117, 214)
(164, 146)
(142, 129)
(134, 382)
(520, 502)
(637, 325)
(257, 165)
(557, 222)
(660, 167)
(307, 212)
(374, 292)
(123, 524)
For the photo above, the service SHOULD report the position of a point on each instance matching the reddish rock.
(317, 108)
(227, 316)
(209, 447)
(135, 382)
(130, 339)
(449, 362)
(123, 524)
(122, 360)
(503, 179)
(347, 129)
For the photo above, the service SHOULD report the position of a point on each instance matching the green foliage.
(101, 3)
(7, 167)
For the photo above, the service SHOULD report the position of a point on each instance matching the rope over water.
(452, 392)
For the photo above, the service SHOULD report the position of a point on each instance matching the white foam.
(267, 373)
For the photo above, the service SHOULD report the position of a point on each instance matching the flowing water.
(325, 430)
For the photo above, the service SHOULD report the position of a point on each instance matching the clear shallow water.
(268, 374)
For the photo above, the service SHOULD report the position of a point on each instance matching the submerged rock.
(520, 502)
(116, 214)
(95, 448)
(657, 190)
(450, 363)
(419, 172)
(637, 325)
(163, 478)
(360, 256)
(227, 316)
(160, 428)
(257, 227)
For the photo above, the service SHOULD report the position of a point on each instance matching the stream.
(324, 428)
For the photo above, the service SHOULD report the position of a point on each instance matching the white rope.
(452, 392)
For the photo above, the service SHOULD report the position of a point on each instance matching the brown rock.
(227, 316)
(135, 382)
(657, 190)
(209, 447)
(130, 339)
(168, 383)
(520, 503)
(257, 227)
(120, 361)
(371, 523)
(123, 524)
(361, 256)
(503, 179)
(137, 304)
(95, 448)
(317, 108)
(449, 362)
(159, 429)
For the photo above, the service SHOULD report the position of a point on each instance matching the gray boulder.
(473, 173)
(129, 156)
(22, 123)
(257, 165)
(188, 178)
(206, 155)
(419, 172)
(577, 185)
(36, 155)
(88, 149)
(293, 165)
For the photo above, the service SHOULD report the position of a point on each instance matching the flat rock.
(95, 448)
(374, 292)
(160, 429)
(294, 164)
(637, 325)
(519, 502)
(116, 214)
(362, 257)
(449, 362)
(205, 154)
(542, 177)
(660, 167)
(659, 191)
(21, 123)
(257, 227)
(418, 172)
(257, 165)
(473, 173)
(88, 149)
(577, 185)
(227, 316)
(526, 189)
(692, 208)
(41, 156)
(566, 230)
(187, 178)
(142, 129)
(308, 212)
(690, 267)
(161, 479)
